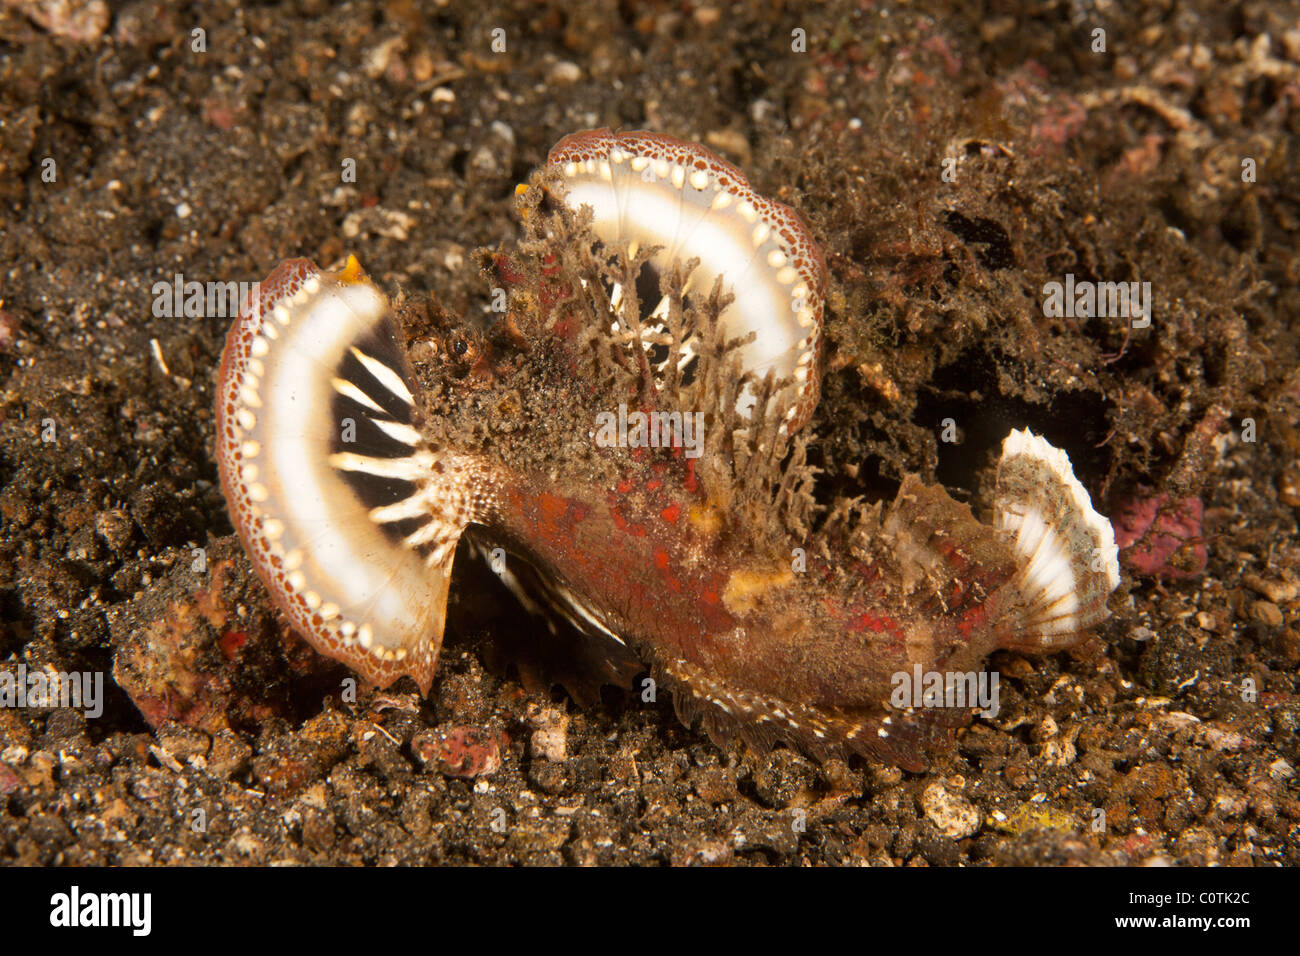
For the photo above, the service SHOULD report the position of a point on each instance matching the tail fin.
(1068, 562)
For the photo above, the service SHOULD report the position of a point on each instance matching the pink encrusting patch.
(1162, 539)
(647, 189)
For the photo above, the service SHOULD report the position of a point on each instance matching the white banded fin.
(690, 204)
(325, 472)
(390, 379)
(1069, 564)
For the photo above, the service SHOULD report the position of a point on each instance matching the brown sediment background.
(129, 155)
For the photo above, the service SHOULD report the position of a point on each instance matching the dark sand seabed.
(1169, 736)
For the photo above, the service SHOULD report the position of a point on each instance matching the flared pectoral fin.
(350, 518)
(1068, 564)
(405, 645)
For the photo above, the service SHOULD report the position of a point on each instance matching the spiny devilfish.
(653, 284)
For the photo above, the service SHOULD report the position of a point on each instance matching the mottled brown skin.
(722, 618)
(768, 618)
(713, 603)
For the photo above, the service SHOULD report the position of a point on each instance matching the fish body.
(627, 451)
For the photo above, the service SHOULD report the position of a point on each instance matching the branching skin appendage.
(631, 439)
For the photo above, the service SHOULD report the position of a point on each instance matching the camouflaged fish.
(625, 445)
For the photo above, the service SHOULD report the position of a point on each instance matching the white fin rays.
(1068, 559)
(694, 205)
(411, 468)
(295, 492)
(384, 375)
(349, 390)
